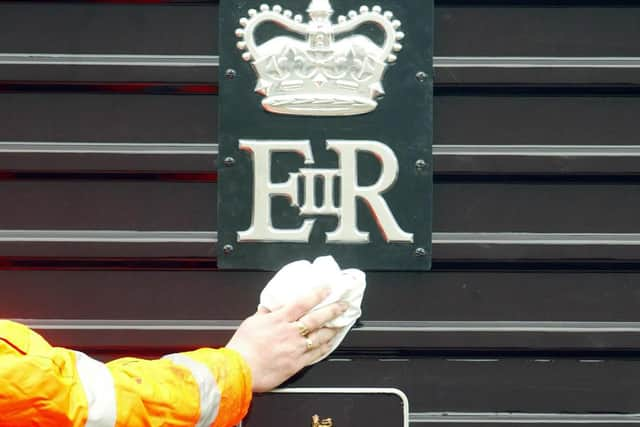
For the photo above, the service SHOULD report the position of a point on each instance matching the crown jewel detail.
(321, 75)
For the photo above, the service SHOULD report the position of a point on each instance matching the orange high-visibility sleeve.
(202, 388)
(39, 384)
(46, 386)
(233, 379)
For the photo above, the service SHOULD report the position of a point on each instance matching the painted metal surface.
(531, 315)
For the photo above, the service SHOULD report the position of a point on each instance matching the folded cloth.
(299, 278)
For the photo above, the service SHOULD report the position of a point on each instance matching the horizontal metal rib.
(109, 60)
(438, 150)
(214, 61)
(509, 326)
(535, 62)
(528, 418)
(107, 148)
(366, 326)
(538, 150)
(556, 239)
(632, 239)
(102, 236)
(189, 157)
(142, 325)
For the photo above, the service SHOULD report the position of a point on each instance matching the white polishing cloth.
(299, 278)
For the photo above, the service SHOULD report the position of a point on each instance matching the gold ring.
(309, 344)
(302, 328)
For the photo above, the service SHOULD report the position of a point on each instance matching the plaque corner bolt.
(422, 76)
(421, 252)
(229, 162)
(421, 164)
(230, 74)
(228, 249)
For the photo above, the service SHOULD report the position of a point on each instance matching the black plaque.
(401, 122)
(332, 408)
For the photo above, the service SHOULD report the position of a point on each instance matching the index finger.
(302, 306)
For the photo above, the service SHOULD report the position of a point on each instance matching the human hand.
(272, 343)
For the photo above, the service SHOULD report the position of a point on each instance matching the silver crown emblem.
(323, 75)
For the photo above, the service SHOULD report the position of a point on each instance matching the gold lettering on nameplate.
(317, 422)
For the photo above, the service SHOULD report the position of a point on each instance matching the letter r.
(347, 230)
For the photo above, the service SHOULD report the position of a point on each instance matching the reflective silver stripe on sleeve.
(97, 383)
(209, 392)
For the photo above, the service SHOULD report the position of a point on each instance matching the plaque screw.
(229, 162)
(228, 249)
(421, 164)
(422, 76)
(421, 252)
(230, 74)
